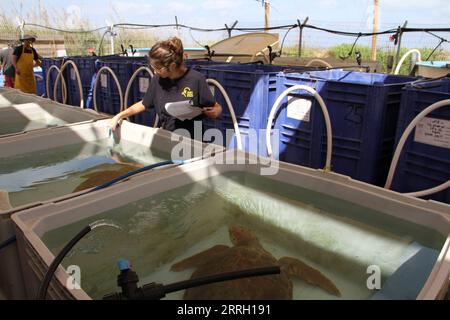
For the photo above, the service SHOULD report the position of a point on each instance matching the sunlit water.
(42, 175)
(336, 237)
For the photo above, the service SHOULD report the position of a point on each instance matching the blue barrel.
(252, 89)
(425, 160)
(363, 108)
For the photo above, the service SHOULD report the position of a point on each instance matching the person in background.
(6, 57)
(25, 58)
(173, 82)
(91, 52)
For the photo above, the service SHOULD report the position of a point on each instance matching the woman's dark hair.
(168, 51)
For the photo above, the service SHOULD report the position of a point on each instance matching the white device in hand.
(183, 110)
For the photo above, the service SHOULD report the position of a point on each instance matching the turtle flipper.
(199, 258)
(99, 177)
(294, 267)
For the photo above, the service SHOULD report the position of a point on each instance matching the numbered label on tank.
(299, 109)
(143, 84)
(103, 80)
(434, 132)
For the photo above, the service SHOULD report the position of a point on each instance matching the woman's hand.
(114, 122)
(213, 112)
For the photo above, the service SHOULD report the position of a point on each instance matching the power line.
(65, 31)
(280, 27)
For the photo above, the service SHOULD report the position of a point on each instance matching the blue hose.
(7, 242)
(131, 173)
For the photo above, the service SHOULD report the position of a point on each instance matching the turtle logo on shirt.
(187, 93)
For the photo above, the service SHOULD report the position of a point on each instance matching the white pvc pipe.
(326, 64)
(426, 192)
(419, 58)
(325, 114)
(127, 91)
(80, 87)
(117, 84)
(47, 85)
(231, 109)
(402, 142)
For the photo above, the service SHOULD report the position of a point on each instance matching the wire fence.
(318, 39)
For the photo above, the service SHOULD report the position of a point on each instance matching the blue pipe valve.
(123, 265)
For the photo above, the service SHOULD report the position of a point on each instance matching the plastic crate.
(425, 159)
(252, 89)
(363, 108)
(40, 83)
(137, 92)
(108, 99)
(46, 64)
(86, 68)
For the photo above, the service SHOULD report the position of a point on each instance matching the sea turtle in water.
(104, 173)
(247, 253)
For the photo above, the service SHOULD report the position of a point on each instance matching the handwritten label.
(432, 131)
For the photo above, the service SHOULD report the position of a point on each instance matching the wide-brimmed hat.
(28, 37)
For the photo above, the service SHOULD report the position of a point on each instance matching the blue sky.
(217, 12)
(353, 15)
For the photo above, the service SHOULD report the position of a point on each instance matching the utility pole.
(300, 37)
(375, 30)
(266, 14)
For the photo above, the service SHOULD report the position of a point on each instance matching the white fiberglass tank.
(22, 112)
(61, 162)
(368, 241)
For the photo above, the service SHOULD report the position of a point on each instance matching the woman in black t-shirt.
(173, 82)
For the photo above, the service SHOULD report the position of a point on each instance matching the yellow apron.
(26, 81)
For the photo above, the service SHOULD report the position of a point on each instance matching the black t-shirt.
(18, 52)
(191, 86)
